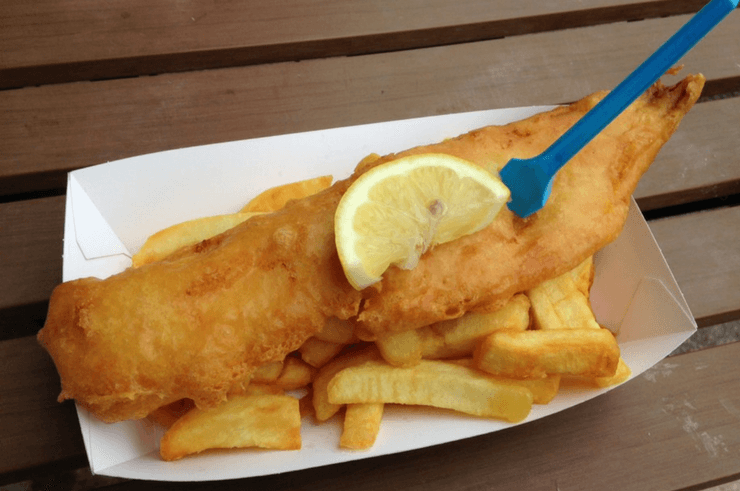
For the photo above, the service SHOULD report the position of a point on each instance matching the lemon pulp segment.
(397, 211)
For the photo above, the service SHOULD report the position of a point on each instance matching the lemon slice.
(395, 212)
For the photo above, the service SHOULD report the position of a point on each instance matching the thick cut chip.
(543, 390)
(255, 419)
(322, 407)
(267, 373)
(535, 354)
(275, 198)
(398, 210)
(317, 353)
(403, 349)
(431, 383)
(296, 373)
(622, 374)
(583, 275)
(337, 331)
(452, 338)
(459, 336)
(563, 302)
(361, 425)
(169, 240)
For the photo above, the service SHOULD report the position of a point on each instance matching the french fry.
(267, 373)
(452, 338)
(255, 419)
(431, 383)
(167, 241)
(562, 302)
(296, 373)
(275, 198)
(322, 407)
(361, 425)
(543, 390)
(317, 353)
(337, 331)
(622, 374)
(534, 354)
(583, 275)
(402, 349)
(459, 336)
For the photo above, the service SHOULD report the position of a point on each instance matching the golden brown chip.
(296, 374)
(255, 419)
(458, 337)
(169, 240)
(534, 354)
(431, 383)
(267, 373)
(275, 198)
(563, 302)
(361, 425)
(324, 409)
(543, 390)
(337, 331)
(317, 353)
(404, 348)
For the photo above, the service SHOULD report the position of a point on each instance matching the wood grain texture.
(673, 427)
(51, 42)
(31, 234)
(31, 240)
(36, 430)
(699, 162)
(47, 131)
(697, 246)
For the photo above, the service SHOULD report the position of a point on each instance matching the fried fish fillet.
(199, 322)
(586, 210)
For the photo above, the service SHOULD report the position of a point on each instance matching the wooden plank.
(698, 162)
(36, 429)
(31, 239)
(674, 427)
(47, 131)
(703, 250)
(52, 42)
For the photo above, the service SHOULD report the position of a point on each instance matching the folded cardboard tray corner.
(113, 207)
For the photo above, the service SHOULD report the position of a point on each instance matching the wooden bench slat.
(31, 241)
(674, 426)
(699, 162)
(703, 250)
(47, 131)
(52, 42)
(32, 234)
(36, 429)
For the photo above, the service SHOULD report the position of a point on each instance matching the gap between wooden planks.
(49, 42)
(48, 131)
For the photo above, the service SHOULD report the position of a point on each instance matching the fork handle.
(636, 83)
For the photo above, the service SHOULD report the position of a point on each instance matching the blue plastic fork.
(530, 180)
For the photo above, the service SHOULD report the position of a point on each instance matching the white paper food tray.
(112, 208)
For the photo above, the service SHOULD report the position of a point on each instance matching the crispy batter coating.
(586, 210)
(200, 322)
